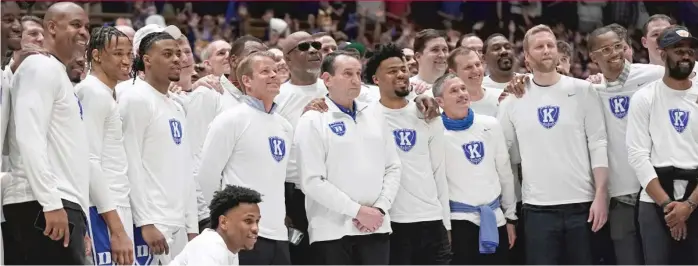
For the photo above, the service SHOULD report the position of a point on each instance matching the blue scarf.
(458, 124)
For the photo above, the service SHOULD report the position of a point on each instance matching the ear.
(440, 102)
(325, 77)
(95, 56)
(246, 81)
(662, 54)
(231, 60)
(375, 80)
(146, 61)
(450, 70)
(644, 41)
(51, 27)
(222, 222)
(417, 55)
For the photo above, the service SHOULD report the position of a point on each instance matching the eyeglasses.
(305, 46)
(608, 50)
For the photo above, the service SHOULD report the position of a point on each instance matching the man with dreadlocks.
(109, 59)
(158, 152)
(420, 214)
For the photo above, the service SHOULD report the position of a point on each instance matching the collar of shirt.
(351, 112)
(257, 103)
(622, 78)
(338, 109)
(230, 87)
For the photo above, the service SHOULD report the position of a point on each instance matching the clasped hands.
(676, 214)
(368, 220)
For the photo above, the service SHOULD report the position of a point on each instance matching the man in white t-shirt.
(234, 227)
(559, 127)
(662, 149)
(420, 214)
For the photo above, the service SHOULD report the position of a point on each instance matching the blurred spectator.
(367, 23)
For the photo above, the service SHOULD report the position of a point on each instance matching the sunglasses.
(305, 46)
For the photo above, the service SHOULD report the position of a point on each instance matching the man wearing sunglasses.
(303, 57)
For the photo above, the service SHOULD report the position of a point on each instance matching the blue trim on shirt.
(257, 104)
(350, 112)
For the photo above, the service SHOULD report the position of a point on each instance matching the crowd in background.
(379, 22)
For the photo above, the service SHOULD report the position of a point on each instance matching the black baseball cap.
(675, 34)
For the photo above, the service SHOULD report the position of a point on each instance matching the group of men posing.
(346, 161)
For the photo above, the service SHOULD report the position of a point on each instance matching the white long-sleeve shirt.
(208, 248)
(105, 137)
(662, 131)
(159, 159)
(561, 138)
(615, 100)
(423, 193)
(48, 152)
(291, 101)
(345, 163)
(478, 169)
(204, 105)
(4, 118)
(248, 147)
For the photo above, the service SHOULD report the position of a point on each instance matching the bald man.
(215, 57)
(126, 30)
(303, 57)
(48, 190)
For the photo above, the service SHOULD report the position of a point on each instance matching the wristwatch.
(381, 210)
(514, 222)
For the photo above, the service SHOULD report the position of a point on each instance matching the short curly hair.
(229, 198)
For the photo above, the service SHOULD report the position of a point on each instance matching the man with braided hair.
(158, 152)
(109, 59)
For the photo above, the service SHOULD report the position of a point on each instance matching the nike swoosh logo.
(570, 95)
(486, 129)
(640, 85)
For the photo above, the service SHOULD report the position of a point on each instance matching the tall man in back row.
(562, 139)
(663, 151)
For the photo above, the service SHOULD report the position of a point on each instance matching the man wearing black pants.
(47, 193)
(350, 171)
(23, 234)
(663, 152)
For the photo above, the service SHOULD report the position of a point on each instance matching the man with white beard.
(562, 140)
(420, 214)
(481, 185)
(303, 57)
(665, 157)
